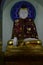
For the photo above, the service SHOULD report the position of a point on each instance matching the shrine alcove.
(22, 23)
(8, 23)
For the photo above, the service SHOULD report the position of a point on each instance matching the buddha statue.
(24, 30)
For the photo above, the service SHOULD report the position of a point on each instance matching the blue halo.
(17, 6)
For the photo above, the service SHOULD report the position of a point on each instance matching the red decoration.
(24, 28)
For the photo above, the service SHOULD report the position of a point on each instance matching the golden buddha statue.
(24, 32)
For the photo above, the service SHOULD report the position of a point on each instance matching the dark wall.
(0, 23)
(0, 30)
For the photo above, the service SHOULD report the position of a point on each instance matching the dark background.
(0, 21)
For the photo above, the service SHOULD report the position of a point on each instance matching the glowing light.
(29, 29)
(38, 42)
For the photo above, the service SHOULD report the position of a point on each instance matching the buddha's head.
(23, 12)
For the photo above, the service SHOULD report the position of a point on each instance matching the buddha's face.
(23, 13)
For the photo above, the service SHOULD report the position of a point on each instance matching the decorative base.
(27, 47)
(24, 56)
(28, 54)
(24, 50)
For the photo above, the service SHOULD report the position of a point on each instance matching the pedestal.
(24, 57)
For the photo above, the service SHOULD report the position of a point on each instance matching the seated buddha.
(24, 30)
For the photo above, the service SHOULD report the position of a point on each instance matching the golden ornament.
(27, 42)
(29, 29)
(19, 35)
(38, 42)
(10, 42)
(16, 21)
(21, 28)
